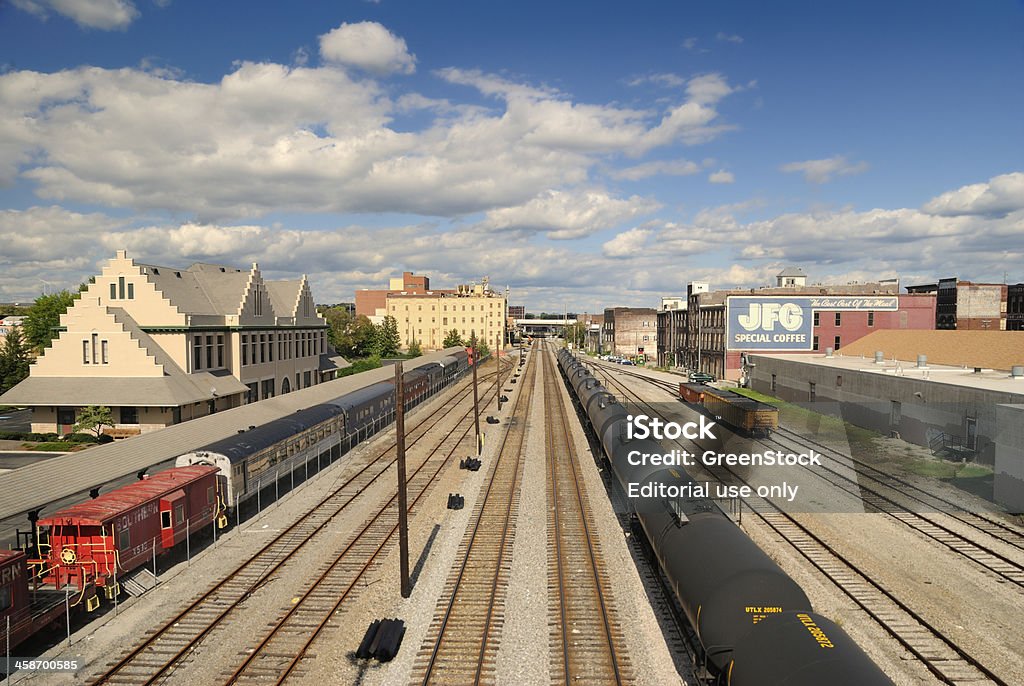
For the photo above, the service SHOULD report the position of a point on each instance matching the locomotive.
(755, 625)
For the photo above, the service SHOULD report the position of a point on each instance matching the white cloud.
(729, 37)
(93, 14)
(667, 167)
(998, 196)
(721, 176)
(369, 46)
(708, 89)
(665, 80)
(567, 215)
(627, 243)
(822, 171)
(691, 45)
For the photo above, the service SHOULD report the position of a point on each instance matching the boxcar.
(94, 542)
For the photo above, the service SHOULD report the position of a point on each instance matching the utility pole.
(476, 399)
(403, 507)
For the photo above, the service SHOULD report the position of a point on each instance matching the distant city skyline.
(593, 155)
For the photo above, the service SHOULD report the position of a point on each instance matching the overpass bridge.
(543, 327)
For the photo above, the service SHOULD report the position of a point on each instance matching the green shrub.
(80, 438)
(13, 436)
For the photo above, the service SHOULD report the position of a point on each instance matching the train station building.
(163, 345)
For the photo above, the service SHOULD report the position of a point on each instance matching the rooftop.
(987, 379)
(986, 349)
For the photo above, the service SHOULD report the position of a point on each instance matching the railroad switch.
(456, 501)
(382, 640)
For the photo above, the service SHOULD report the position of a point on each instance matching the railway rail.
(462, 640)
(947, 661)
(585, 636)
(171, 644)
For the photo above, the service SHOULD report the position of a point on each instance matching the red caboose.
(95, 542)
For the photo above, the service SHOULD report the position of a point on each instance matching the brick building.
(705, 337)
(630, 331)
(373, 303)
(969, 306)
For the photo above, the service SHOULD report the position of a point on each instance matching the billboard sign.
(786, 322)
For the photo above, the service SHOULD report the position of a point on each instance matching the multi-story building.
(373, 303)
(10, 322)
(1015, 307)
(968, 306)
(837, 313)
(630, 331)
(162, 345)
(472, 310)
(671, 331)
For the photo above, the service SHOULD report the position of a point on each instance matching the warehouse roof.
(36, 485)
(986, 349)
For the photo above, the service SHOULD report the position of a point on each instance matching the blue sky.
(588, 154)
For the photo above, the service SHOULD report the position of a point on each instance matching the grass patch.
(55, 447)
(822, 427)
(944, 469)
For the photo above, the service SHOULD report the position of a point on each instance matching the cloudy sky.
(587, 154)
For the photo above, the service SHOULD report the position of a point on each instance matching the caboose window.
(124, 539)
(209, 495)
(165, 520)
(179, 514)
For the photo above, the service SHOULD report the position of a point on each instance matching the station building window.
(815, 345)
(129, 415)
(836, 344)
(817, 318)
(839, 318)
(871, 318)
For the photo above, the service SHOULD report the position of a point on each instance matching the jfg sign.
(786, 323)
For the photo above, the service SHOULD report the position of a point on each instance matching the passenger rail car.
(256, 456)
(755, 625)
(749, 416)
(91, 544)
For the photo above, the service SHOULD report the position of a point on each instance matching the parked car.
(701, 377)
(628, 362)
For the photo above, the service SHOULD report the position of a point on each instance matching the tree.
(414, 349)
(388, 340)
(93, 418)
(453, 339)
(351, 336)
(14, 359)
(482, 350)
(43, 317)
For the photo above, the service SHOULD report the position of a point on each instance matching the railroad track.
(985, 556)
(903, 502)
(947, 661)
(171, 644)
(462, 641)
(585, 636)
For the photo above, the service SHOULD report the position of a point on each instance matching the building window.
(839, 318)
(270, 347)
(120, 288)
(129, 415)
(209, 352)
(95, 345)
(871, 318)
(131, 291)
(113, 291)
(815, 346)
(85, 352)
(253, 394)
(835, 345)
(105, 356)
(268, 388)
(817, 318)
(220, 350)
(245, 350)
(197, 353)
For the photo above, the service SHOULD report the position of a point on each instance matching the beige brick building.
(427, 318)
(162, 345)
